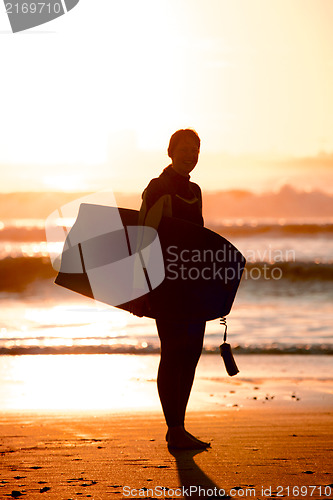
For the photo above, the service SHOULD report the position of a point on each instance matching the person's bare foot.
(206, 445)
(179, 438)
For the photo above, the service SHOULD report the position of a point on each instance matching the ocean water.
(284, 303)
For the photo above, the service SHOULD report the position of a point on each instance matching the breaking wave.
(230, 229)
(298, 349)
(17, 273)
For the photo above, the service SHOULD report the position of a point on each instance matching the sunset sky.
(90, 100)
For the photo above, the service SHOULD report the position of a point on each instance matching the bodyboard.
(201, 269)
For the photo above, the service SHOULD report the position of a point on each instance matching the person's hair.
(182, 134)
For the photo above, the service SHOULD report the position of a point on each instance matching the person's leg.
(194, 343)
(181, 345)
(170, 369)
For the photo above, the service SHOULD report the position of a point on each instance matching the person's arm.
(154, 206)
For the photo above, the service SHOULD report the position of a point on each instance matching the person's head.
(184, 147)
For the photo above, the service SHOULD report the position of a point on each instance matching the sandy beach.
(255, 453)
(269, 440)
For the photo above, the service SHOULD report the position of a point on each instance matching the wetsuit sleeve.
(152, 193)
(155, 204)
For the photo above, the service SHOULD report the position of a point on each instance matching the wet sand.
(270, 429)
(256, 452)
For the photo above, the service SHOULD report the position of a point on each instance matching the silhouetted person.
(173, 194)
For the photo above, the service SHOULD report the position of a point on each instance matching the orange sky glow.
(92, 100)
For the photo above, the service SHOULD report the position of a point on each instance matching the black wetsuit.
(185, 195)
(181, 341)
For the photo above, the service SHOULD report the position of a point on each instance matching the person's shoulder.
(154, 183)
(154, 191)
(159, 185)
(155, 186)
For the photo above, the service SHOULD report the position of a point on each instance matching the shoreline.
(127, 383)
